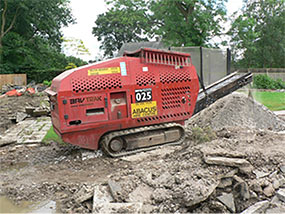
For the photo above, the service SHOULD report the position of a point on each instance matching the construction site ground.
(233, 160)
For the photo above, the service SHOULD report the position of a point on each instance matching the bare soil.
(171, 179)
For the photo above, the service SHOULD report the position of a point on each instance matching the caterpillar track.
(130, 141)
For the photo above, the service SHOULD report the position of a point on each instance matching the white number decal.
(143, 95)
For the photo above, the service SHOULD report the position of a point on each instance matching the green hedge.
(263, 81)
(41, 75)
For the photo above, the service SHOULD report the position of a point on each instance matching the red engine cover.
(141, 88)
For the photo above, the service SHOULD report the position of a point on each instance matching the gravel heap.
(237, 110)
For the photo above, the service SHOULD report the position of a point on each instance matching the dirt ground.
(243, 163)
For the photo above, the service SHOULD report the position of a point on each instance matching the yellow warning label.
(101, 71)
(145, 109)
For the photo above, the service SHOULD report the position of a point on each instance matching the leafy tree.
(30, 36)
(126, 21)
(258, 34)
(176, 22)
(188, 22)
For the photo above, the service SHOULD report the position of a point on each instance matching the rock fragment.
(276, 184)
(241, 188)
(228, 200)
(234, 162)
(115, 188)
(225, 182)
(83, 194)
(260, 174)
(118, 208)
(20, 116)
(282, 168)
(257, 208)
(202, 196)
(141, 194)
(281, 194)
(101, 195)
(269, 190)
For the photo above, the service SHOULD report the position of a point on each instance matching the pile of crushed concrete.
(237, 110)
(233, 173)
(229, 174)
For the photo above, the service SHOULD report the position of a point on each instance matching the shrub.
(262, 81)
(201, 135)
(47, 83)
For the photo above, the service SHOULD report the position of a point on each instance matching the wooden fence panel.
(14, 79)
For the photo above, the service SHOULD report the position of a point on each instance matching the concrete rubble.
(27, 132)
(232, 173)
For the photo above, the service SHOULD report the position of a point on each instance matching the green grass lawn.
(52, 136)
(275, 101)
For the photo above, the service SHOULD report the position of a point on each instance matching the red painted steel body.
(92, 100)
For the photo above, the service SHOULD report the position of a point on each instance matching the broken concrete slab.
(275, 200)
(20, 116)
(278, 209)
(203, 195)
(257, 208)
(40, 112)
(102, 200)
(224, 161)
(230, 174)
(101, 195)
(260, 174)
(118, 208)
(5, 142)
(219, 152)
(141, 194)
(246, 170)
(225, 182)
(276, 184)
(28, 131)
(115, 188)
(281, 194)
(228, 200)
(83, 194)
(282, 168)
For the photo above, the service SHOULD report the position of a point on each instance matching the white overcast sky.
(86, 12)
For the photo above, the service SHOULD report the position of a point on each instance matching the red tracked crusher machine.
(127, 104)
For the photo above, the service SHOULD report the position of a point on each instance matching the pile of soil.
(237, 110)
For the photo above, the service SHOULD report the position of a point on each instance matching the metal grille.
(100, 82)
(172, 77)
(172, 97)
(165, 58)
(145, 78)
